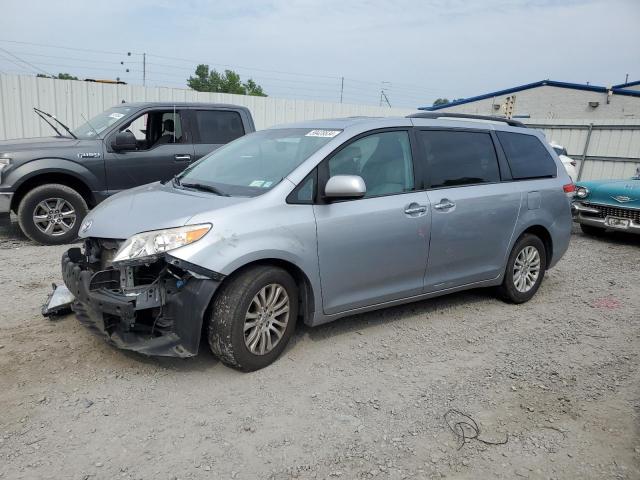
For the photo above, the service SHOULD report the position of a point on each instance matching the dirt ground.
(361, 398)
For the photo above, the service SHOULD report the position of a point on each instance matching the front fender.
(91, 175)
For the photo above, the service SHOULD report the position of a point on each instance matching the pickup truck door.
(214, 128)
(165, 148)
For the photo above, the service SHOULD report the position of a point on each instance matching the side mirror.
(345, 186)
(124, 141)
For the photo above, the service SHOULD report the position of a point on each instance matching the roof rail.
(466, 116)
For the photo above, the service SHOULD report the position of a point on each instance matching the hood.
(37, 143)
(619, 193)
(150, 207)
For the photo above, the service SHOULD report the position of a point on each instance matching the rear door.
(373, 249)
(214, 128)
(473, 213)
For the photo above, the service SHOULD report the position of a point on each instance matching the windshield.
(101, 122)
(255, 163)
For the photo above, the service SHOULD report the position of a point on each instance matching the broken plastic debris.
(58, 302)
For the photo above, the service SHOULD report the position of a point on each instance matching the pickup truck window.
(101, 122)
(218, 126)
(155, 128)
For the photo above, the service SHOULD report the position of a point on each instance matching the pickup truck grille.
(608, 211)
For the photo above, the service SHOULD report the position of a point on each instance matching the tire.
(65, 221)
(509, 290)
(591, 230)
(233, 305)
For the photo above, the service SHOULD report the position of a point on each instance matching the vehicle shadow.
(611, 236)
(390, 315)
(10, 231)
(205, 360)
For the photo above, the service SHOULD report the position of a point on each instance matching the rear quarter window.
(527, 156)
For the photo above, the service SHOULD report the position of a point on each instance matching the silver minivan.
(316, 221)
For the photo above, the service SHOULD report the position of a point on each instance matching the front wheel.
(51, 214)
(525, 270)
(253, 317)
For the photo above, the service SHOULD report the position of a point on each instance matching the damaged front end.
(154, 306)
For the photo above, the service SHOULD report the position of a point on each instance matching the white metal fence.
(603, 149)
(71, 100)
(606, 149)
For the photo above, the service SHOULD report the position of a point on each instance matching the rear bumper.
(5, 202)
(164, 318)
(590, 216)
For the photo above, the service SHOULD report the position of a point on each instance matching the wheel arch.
(54, 177)
(306, 291)
(543, 234)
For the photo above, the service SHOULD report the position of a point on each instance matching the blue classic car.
(608, 204)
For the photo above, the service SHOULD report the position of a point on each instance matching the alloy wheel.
(526, 269)
(54, 216)
(266, 319)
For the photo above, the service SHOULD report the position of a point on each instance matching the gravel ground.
(360, 398)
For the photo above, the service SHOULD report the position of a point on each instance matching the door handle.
(414, 209)
(183, 158)
(444, 204)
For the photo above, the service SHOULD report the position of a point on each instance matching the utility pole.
(144, 67)
(626, 79)
(341, 88)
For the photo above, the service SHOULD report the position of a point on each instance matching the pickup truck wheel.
(253, 317)
(51, 214)
(525, 270)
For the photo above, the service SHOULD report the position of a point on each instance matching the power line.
(66, 48)
(24, 61)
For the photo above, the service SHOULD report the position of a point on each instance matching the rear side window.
(458, 158)
(527, 156)
(218, 126)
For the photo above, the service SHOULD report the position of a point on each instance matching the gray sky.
(424, 48)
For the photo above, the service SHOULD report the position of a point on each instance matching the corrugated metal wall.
(613, 147)
(71, 100)
(610, 148)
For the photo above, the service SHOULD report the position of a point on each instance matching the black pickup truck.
(50, 183)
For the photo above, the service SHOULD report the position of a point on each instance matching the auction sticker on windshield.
(116, 115)
(323, 133)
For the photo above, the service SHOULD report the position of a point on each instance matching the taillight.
(569, 189)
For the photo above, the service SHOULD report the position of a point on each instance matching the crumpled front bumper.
(163, 318)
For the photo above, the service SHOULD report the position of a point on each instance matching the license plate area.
(615, 222)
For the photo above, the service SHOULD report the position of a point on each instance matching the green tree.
(440, 101)
(206, 80)
(60, 76)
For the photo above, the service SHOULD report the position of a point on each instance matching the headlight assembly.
(582, 192)
(156, 242)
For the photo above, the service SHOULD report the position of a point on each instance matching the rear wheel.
(52, 214)
(591, 230)
(253, 317)
(525, 269)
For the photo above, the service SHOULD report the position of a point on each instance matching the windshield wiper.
(202, 186)
(50, 124)
(42, 112)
